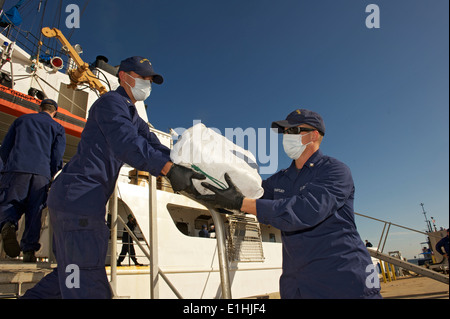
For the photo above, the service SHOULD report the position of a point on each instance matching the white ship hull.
(190, 262)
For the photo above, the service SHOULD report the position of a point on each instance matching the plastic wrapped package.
(212, 154)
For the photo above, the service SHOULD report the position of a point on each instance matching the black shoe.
(138, 264)
(119, 264)
(9, 238)
(29, 257)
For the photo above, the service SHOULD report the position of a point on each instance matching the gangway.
(378, 253)
(409, 266)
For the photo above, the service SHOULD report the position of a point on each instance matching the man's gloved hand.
(230, 198)
(180, 178)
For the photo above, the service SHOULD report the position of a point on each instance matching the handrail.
(114, 212)
(222, 253)
(409, 266)
(382, 242)
(384, 221)
(175, 291)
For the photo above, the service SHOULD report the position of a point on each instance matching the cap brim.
(157, 78)
(279, 126)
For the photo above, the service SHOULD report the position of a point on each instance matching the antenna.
(426, 219)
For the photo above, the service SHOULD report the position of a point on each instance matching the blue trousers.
(24, 193)
(80, 245)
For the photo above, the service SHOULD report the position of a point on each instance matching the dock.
(405, 287)
(414, 287)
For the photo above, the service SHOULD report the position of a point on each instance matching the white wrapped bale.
(212, 154)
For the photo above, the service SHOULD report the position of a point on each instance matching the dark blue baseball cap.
(51, 102)
(141, 66)
(300, 116)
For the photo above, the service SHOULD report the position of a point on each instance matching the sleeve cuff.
(263, 210)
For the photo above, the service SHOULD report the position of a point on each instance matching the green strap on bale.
(213, 179)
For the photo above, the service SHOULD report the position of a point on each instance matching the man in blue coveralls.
(443, 243)
(32, 152)
(114, 134)
(311, 202)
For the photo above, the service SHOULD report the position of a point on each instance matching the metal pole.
(384, 221)
(153, 229)
(408, 266)
(222, 254)
(381, 238)
(385, 237)
(51, 256)
(113, 205)
(388, 271)
(383, 273)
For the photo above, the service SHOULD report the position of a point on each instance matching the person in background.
(212, 231)
(443, 243)
(114, 134)
(31, 153)
(204, 232)
(311, 202)
(127, 242)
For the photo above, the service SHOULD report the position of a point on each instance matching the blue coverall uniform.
(323, 254)
(31, 152)
(443, 243)
(114, 134)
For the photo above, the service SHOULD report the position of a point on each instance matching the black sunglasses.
(298, 130)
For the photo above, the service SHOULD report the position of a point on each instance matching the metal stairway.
(409, 266)
(398, 262)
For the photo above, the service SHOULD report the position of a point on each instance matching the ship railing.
(390, 261)
(150, 253)
(384, 235)
(147, 254)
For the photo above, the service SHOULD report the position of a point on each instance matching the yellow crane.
(82, 74)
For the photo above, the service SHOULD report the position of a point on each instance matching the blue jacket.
(114, 134)
(35, 143)
(444, 242)
(323, 254)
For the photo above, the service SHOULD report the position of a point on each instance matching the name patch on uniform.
(279, 190)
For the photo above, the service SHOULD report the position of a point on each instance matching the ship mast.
(426, 219)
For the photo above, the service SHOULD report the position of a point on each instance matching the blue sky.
(383, 93)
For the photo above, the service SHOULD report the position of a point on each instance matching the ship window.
(183, 228)
(272, 238)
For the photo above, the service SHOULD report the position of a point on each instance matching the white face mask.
(142, 88)
(292, 144)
